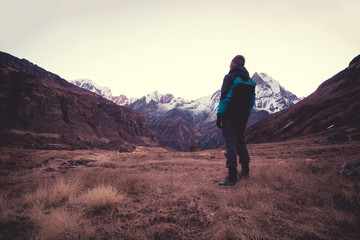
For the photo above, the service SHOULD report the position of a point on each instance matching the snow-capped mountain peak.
(270, 96)
(103, 91)
(122, 100)
(275, 85)
(93, 87)
(158, 97)
(155, 96)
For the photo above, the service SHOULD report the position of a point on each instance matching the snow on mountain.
(122, 100)
(103, 91)
(270, 95)
(173, 103)
(204, 106)
(274, 86)
(156, 104)
(158, 98)
(93, 87)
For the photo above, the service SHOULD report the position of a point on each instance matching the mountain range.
(39, 109)
(178, 123)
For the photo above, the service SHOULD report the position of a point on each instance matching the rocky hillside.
(41, 110)
(334, 106)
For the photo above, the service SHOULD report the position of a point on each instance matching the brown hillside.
(334, 105)
(38, 109)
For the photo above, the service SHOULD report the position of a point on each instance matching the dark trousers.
(235, 145)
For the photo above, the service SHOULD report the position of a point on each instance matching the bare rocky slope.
(334, 106)
(39, 109)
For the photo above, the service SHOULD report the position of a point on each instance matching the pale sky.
(183, 47)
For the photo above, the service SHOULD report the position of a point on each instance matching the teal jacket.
(237, 96)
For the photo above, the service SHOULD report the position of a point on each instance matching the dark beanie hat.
(238, 60)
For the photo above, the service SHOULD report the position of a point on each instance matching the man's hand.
(219, 121)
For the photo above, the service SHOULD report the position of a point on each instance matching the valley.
(294, 192)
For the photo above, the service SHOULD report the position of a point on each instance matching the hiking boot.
(227, 182)
(243, 175)
(230, 179)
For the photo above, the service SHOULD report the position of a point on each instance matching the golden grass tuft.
(226, 231)
(165, 231)
(60, 223)
(100, 196)
(6, 214)
(54, 192)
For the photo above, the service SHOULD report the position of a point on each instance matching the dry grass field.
(294, 192)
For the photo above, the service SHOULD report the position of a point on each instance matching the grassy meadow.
(293, 192)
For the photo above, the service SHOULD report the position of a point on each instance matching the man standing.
(236, 102)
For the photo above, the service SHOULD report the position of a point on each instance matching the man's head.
(238, 60)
